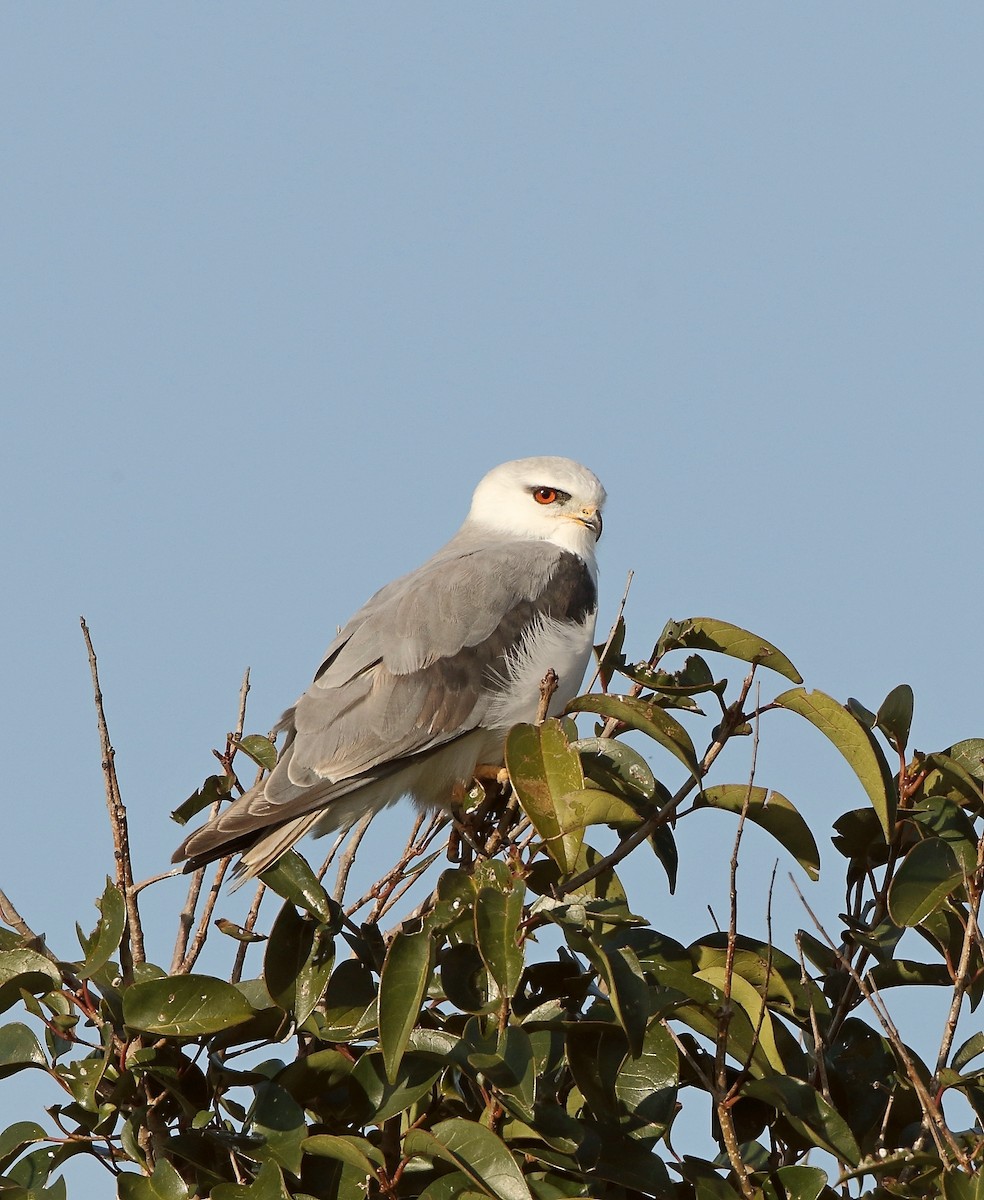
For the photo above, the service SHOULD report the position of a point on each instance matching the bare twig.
(249, 925)
(938, 1127)
(548, 685)
(198, 941)
(134, 951)
(12, 918)
(962, 981)
(348, 856)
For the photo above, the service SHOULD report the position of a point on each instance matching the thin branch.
(201, 933)
(348, 856)
(249, 925)
(548, 685)
(962, 981)
(134, 953)
(937, 1125)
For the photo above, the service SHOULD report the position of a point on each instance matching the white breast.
(548, 644)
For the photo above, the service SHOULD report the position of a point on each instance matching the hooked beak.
(591, 518)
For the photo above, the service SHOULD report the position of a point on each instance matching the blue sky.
(282, 283)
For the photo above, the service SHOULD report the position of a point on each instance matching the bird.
(420, 688)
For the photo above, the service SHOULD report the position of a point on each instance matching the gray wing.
(409, 673)
(411, 670)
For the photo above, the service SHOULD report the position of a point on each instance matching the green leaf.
(415, 1077)
(406, 971)
(609, 653)
(747, 997)
(894, 718)
(15, 1137)
(19, 1048)
(476, 1151)
(260, 749)
(706, 633)
(497, 918)
(903, 972)
(853, 741)
(970, 1049)
(963, 1187)
(279, 1120)
(356, 1151)
(627, 988)
(647, 718)
(292, 879)
(298, 961)
(214, 789)
(27, 970)
(644, 1081)
(808, 1112)
(105, 938)
(665, 848)
(774, 813)
(925, 878)
(796, 1183)
(593, 807)
(164, 1184)
(185, 1006)
(544, 767)
(350, 995)
(268, 1185)
(616, 767)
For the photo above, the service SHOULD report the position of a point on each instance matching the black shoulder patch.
(570, 594)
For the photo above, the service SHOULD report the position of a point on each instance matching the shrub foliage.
(455, 1055)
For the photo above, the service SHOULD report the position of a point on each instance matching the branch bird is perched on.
(426, 679)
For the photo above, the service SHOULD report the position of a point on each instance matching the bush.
(456, 1056)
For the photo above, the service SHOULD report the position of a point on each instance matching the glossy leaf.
(356, 1151)
(544, 767)
(164, 1184)
(923, 881)
(279, 1120)
(617, 767)
(268, 1185)
(773, 813)
(497, 918)
(299, 957)
(105, 938)
(853, 741)
(707, 633)
(894, 717)
(27, 970)
(214, 789)
(809, 1113)
(19, 1049)
(476, 1151)
(968, 1051)
(292, 879)
(185, 1006)
(647, 718)
(401, 988)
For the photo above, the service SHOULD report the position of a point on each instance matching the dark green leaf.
(853, 741)
(924, 880)
(894, 718)
(774, 813)
(268, 1185)
(350, 996)
(19, 1048)
(15, 1137)
(970, 1049)
(609, 653)
(185, 1006)
(27, 970)
(647, 718)
(544, 768)
(615, 766)
(238, 932)
(706, 633)
(665, 848)
(476, 1151)
(796, 1183)
(903, 972)
(356, 1151)
(105, 938)
(164, 1184)
(497, 918)
(406, 971)
(279, 1120)
(809, 1114)
(214, 789)
(298, 961)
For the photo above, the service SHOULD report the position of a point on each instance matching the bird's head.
(555, 499)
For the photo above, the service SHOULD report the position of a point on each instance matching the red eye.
(544, 495)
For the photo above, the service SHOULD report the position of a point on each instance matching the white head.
(555, 499)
